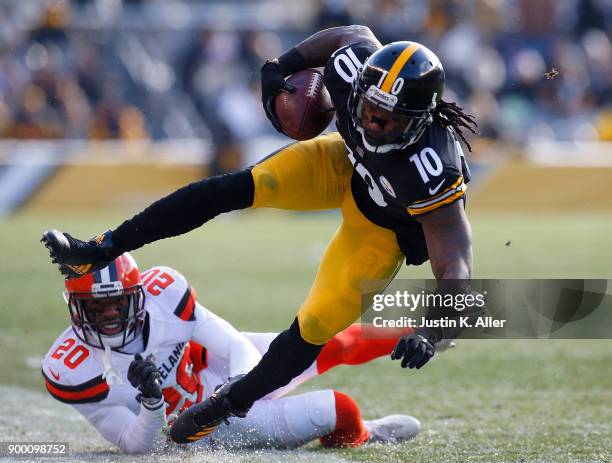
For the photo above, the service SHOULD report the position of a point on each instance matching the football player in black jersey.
(396, 170)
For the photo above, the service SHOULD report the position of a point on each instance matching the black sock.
(186, 209)
(287, 357)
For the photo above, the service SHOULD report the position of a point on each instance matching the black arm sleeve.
(185, 209)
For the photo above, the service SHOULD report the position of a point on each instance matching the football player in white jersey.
(141, 349)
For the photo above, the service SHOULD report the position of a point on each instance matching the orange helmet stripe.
(397, 66)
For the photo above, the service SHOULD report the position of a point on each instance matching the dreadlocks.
(449, 114)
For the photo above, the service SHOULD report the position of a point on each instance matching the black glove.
(415, 350)
(74, 257)
(144, 375)
(273, 82)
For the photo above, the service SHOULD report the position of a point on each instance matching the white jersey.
(176, 329)
(194, 351)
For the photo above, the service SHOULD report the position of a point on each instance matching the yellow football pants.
(316, 174)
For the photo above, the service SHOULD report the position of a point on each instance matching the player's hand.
(273, 82)
(144, 375)
(414, 350)
(74, 257)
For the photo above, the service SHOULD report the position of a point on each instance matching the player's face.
(382, 125)
(108, 313)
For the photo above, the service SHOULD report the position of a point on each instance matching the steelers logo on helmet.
(107, 306)
(394, 96)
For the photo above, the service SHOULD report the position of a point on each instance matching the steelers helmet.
(394, 96)
(107, 306)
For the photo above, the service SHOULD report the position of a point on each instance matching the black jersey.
(391, 189)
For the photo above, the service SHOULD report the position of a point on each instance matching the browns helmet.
(107, 306)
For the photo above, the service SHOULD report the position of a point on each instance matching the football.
(305, 113)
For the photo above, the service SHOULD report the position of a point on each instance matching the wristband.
(433, 335)
(152, 403)
(291, 62)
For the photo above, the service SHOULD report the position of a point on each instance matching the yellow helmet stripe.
(397, 67)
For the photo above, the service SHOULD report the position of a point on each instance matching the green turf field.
(484, 401)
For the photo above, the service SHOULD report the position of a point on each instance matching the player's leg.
(350, 429)
(357, 344)
(330, 416)
(359, 254)
(303, 176)
(262, 341)
(289, 422)
(310, 175)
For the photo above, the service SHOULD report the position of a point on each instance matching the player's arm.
(178, 213)
(449, 244)
(313, 52)
(117, 423)
(222, 339)
(132, 433)
(317, 49)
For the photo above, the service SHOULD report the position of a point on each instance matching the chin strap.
(110, 374)
(378, 149)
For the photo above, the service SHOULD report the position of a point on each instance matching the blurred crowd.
(530, 70)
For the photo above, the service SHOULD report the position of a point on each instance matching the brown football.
(305, 113)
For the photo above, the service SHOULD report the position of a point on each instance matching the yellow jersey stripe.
(453, 186)
(440, 203)
(397, 67)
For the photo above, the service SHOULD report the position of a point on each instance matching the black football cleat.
(74, 257)
(201, 419)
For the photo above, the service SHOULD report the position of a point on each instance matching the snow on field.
(33, 416)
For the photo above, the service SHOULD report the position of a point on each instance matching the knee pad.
(310, 415)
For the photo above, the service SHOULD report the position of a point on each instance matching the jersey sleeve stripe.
(446, 198)
(454, 186)
(185, 307)
(94, 390)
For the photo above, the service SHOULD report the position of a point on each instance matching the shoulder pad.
(439, 170)
(343, 67)
(70, 374)
(362, 49)
(169, 291)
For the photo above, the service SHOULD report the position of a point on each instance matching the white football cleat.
(393, 428)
